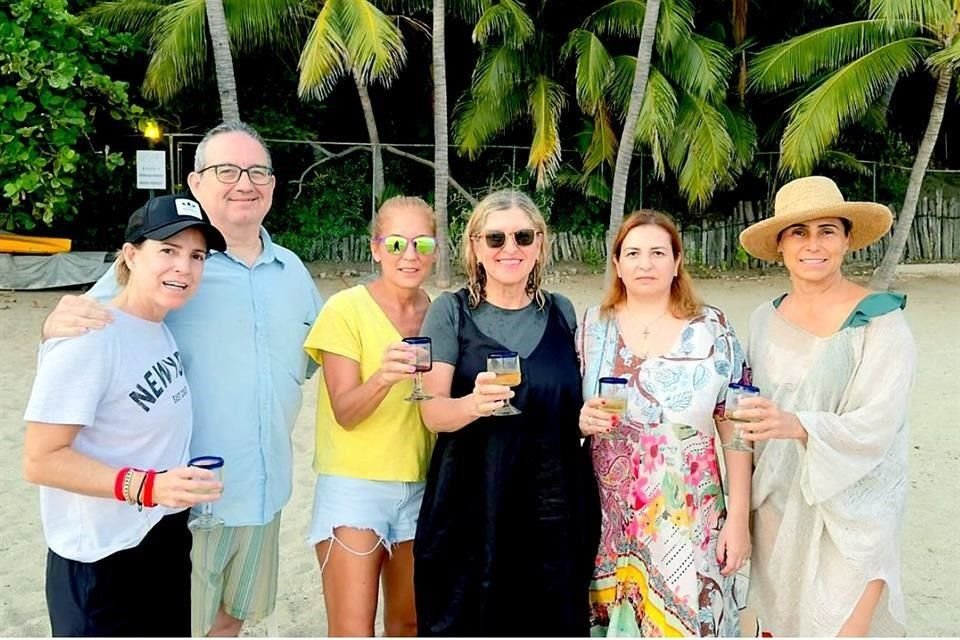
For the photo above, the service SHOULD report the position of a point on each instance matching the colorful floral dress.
(656, 571)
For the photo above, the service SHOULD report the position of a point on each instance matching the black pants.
(143, 591)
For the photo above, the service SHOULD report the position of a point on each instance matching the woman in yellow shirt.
(372, 449)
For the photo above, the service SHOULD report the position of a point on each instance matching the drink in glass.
(506, 366)
(735, 393)
(423, 347)
(614, 393)
(206, 519)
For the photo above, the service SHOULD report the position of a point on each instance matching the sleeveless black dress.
(510, 520)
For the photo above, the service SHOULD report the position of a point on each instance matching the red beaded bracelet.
(118, 484)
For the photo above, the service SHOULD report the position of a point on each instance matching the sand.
(931, 562)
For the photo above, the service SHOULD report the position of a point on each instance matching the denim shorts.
(389, 509)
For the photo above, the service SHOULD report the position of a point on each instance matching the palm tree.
(177, 33)
(850, 67)
(673, 103)
(355, 38)
(512, 79)
(441, 153)
(638, 87)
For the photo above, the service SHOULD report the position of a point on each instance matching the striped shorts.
(234, 568)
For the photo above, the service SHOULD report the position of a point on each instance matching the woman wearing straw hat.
(835, 363)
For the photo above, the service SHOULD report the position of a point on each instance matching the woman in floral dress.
(669, 542)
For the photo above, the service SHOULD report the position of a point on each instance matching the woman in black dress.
(509, 524)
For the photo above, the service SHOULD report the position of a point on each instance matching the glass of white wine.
(614, 393)
(736, 393)
(423, 347)
(506, 365)
(206, 519)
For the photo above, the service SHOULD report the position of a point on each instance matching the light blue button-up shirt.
(241, 341)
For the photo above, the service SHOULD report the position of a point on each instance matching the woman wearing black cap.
(108, 434)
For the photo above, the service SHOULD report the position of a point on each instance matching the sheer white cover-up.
(827, 516)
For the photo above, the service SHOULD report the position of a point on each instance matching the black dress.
(510, 521)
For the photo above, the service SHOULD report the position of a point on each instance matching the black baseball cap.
(166, 216)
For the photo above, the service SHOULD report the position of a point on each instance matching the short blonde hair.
(121, 268)
(476, 274)
(401, 202)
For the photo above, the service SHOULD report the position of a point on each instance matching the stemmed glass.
(423, 348)
(614, 393)
(506, 366)
(206, 519)
(736, 393)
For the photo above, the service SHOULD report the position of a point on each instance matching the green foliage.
(51, 98)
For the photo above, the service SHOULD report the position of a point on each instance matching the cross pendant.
(646, 333)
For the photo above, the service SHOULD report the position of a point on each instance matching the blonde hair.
(121, 268)
(476, 274)
(396, 203)
(684, 301)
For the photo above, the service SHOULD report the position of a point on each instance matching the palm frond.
(843, 97)
(845, 162)
(477, 120)
(323, 59)
(624, 18)
(467, 10)
(935, 15)
(602, 148)
(700, 65)
(621, 84)
(133, 16)
(255, 24)
(373, 42)
(675, 23)
(700, 150)
(657, 119)
(948, 57)
(179, 45)
(594, 67)
(743, 135)
(800, 58)
(547, 100)
(499, 70)
(506, 19)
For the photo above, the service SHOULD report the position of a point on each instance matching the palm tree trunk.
(441, 159)
(625, 152)
(888, 267)
(374, 135)
(739, 19)
(222, 60)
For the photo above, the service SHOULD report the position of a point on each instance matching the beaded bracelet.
(118, 484)
(127, 479)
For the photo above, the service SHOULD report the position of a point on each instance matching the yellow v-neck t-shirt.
(391, 444)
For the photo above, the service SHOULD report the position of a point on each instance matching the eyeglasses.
(230, 173)
(496, 239)
(396, 245)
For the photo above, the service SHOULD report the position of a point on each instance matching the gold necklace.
(645, 353)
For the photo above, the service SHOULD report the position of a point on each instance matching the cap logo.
(188, 208)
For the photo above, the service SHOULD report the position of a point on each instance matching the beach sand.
(931, 562)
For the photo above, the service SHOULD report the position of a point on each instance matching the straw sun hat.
(810, 198)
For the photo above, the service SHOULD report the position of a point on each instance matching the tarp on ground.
(49, 272)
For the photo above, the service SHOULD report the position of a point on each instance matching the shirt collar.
(268, 255)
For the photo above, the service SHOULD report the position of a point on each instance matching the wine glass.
(614, 393)
(506, 366)
(206, 519)
(736, 393)
(423, 348)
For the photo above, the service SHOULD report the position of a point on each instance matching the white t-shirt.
(125, 386)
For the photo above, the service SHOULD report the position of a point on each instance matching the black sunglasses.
(496, 239)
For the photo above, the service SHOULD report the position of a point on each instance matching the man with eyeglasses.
(241, 342)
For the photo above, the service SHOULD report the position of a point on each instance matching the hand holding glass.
(206, 519)
(506, 366)
(423, 348)
(736, 393)
(613, 391)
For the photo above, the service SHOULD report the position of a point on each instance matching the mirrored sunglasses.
(496, 239)
(397, 245)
